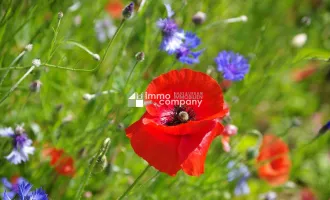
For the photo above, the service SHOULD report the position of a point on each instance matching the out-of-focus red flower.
(171, 137)
(63, 164)
(229, 131)
(273, 160)
(301, 74)
(225, 84)
(54, 154)
(115, 8)
(307, 194)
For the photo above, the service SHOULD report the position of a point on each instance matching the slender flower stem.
(99, 64)
(242, 18)
(10, 66)
(130, 74)
(16, 85)
(135, 182)
(13, 67)
(103, 150)
(109, 45)
(54, 41)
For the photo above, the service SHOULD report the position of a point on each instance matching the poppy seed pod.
(251, 153)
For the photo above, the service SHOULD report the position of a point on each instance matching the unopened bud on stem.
(128, 11)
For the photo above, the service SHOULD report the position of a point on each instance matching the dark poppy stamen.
(179, 115)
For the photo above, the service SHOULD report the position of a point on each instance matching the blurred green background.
(269, 99)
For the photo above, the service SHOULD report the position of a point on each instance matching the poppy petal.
(157, 148)
(193, 150)
(186, 81)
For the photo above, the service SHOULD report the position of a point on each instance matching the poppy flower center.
(179, 115)
(183, 116)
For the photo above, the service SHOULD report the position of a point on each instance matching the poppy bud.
(231, 129)
(100, 165)
(199, 18)
(139, 56)
(128, 11)
(35, 86)
(60, 15)
(251, 153)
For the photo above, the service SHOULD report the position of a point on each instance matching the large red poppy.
(63, 164)
(273, 160)
(173, 137)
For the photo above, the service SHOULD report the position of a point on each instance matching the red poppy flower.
(273, 160)
(172, 136)
(63, 164)
(307, 194)
(302, 74)
(115, 8)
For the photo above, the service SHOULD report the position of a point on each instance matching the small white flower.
(299, 40)
(36, 62)
(88, 97)
(28, 47)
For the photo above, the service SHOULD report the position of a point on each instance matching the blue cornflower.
(241, 173)
(11, 188)
(185, 54)
(233, 65)
(172, 35)
(23, 189)
(21, 144)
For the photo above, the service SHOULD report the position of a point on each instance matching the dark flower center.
(179, 115)
(183, 51)
(19, 140)
(170, 27)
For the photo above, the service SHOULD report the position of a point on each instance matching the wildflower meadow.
(146, 99)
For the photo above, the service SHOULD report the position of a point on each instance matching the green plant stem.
(99, 64)
(10, 66)
(110, 43)
(88, 173)
(16, 85)
(13, 67)
(54, 40)
(134, 183)
(130, 74)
